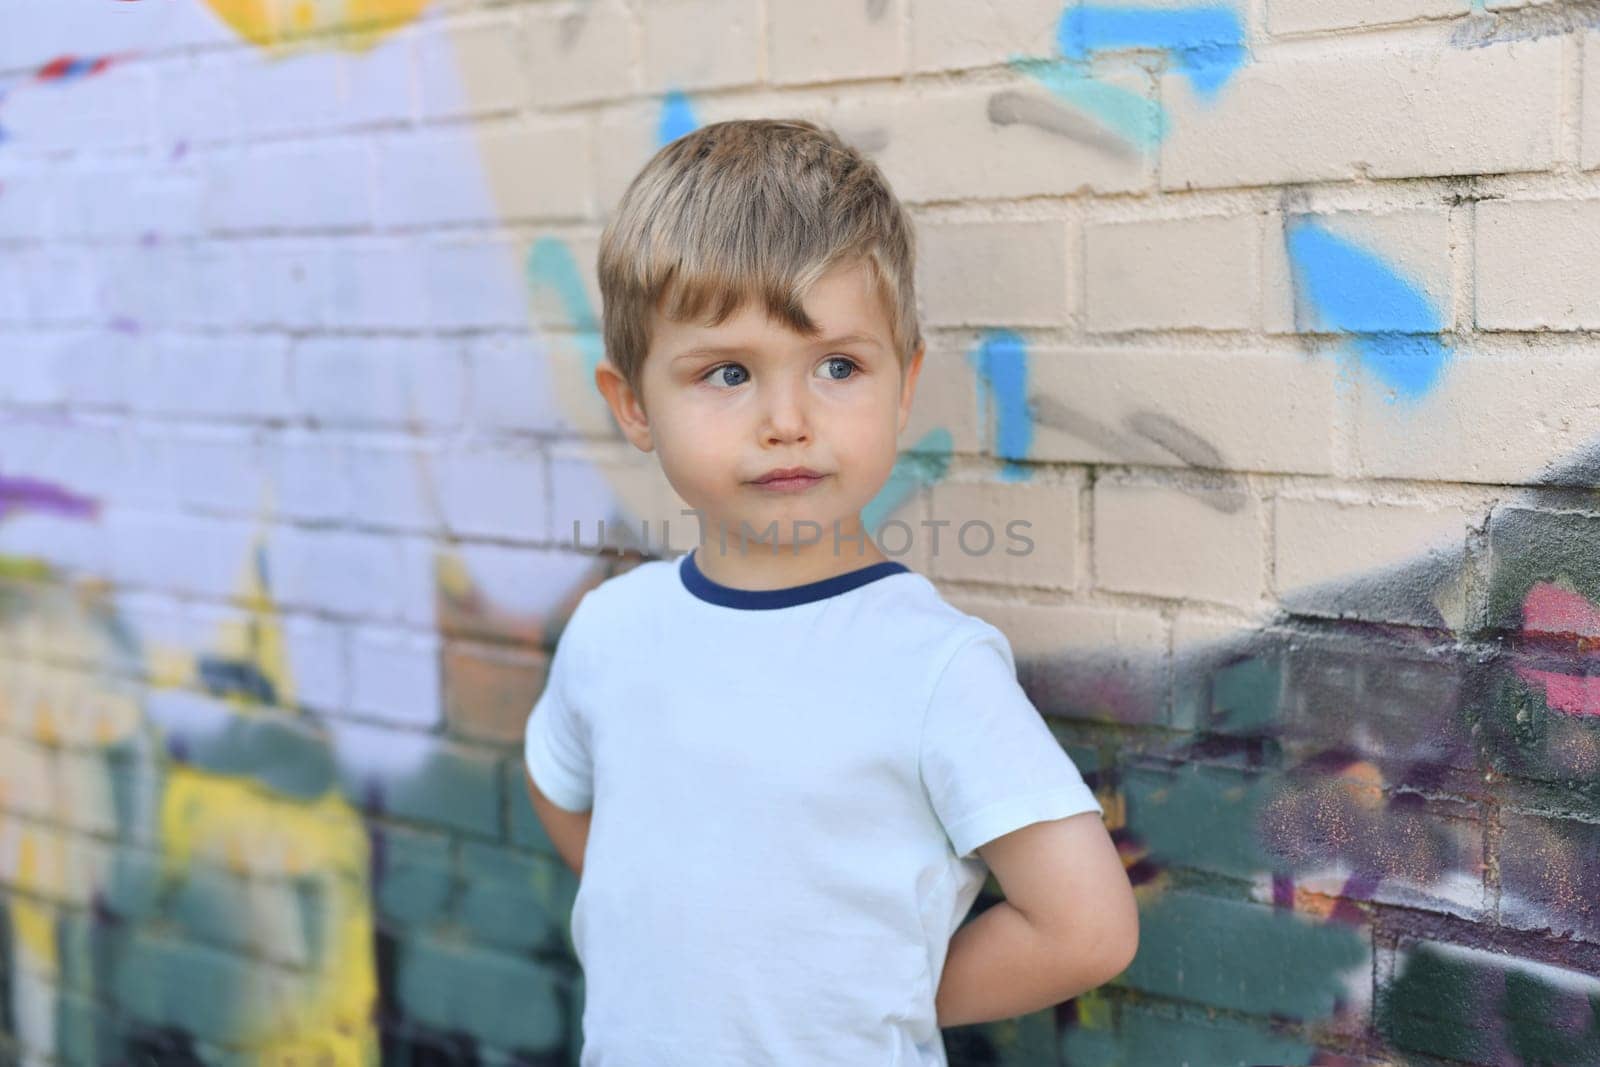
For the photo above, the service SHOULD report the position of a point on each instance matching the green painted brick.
(1245, 696)
(415, 875)
(516, 901)
(510, 1002)
(1246, 957)
(1143, 1038)
(526, 829)
(1199, 816)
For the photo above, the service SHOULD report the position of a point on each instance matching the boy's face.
(770, 398)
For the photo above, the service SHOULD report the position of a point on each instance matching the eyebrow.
(739, 350)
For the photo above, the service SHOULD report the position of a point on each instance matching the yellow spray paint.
(283, 26)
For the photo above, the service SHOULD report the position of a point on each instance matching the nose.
(785, 416)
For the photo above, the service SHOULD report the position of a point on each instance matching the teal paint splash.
(677, 118)
(1135, 118)
(1206, 43)
(1341, 287)
(553, 274)
(1001, 363)
(924, 464)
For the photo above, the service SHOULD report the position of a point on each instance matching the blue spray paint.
(1133, 117)
(552, 271)
(1001, 363)
(1341, 287)
(924, 464)
(1205, 43)
(677, 118)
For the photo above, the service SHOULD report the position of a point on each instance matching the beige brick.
(1237, 411)
(831, 40)
(943, 144)
(701, 44)
(1163, 540)
(954, 33)
(1369, 110)
(1415, 243)
(945, 399)
(580, 52)
(1494, 418)
(1317, 540)
(469, 68)
(1591, 101)
(624, 140)
(1538, 265)
(1038, 631)
(1020, 533)
(1196, 273)
(992, 273)
(1307, 16)
(538, 172)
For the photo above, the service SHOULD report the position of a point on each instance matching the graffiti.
(1343, 288)
(283, 28)
(677, 118)
(1526, 23)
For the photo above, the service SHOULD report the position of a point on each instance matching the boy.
(800, 759)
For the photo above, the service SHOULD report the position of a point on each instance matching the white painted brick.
(379, 382)
(832, 40)
(1306, 16)
(953, 33)
(392, 484)
(1538, 265)
(911, 135)
(337, 571)
(312, 477)
(514, 387)
(493, 492)
(529, 583)
(1370, 110)
(219, 469)
(701, 44)
(268, 283)
(56, 285)
(317, 91)
(1164, 541)
(431, 177)
(1493, 418)
(1015, 533)
(1198, 273)
(1318, 540)
(475, 283)
(1237, 411)
(394, 676)
(1011, 273)
(471, 68)
(317, 649)
(190, 554)
(1414, 243)
(28, 204)
(372, 285)
(617, 483)
(107, 112)
(128, 203)
(232, 377)
(581, 52)
(267, 187)
(197, 100)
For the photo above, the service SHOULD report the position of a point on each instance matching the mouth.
(789, 478)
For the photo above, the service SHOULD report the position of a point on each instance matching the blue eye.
(840, 359)
(715, 372)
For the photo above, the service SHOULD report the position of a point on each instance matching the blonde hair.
(750, 210)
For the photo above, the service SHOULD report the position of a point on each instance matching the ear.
(908, 386)
(627, 406)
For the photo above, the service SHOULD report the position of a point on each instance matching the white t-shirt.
(788, 786)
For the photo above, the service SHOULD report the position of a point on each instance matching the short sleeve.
(988, 761)
(556, 738)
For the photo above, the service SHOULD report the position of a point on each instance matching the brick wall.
(1273, 318)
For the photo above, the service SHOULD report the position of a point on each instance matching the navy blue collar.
(729, 597)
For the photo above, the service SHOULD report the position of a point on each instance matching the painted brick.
(1166, 408)
(265, 188)
(701, 44)
(1535, 270)
(1318, 540)
(471, 67)
(1142, 1036)
(457, 987)
(1164, 540)
(1309, 16)
(414, 874)
(494, 493)
(833, 40)
(391, 382)
(514, 901)
(580, 52)
(1014, 533)
(910, 134)
(949, 33)
(1197, 273)
(1372, 111)
(1414, 244)
(394, 676)
(993, 272)
(489, 691)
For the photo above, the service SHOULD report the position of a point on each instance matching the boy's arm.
(568, 830)
(1069, 923)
